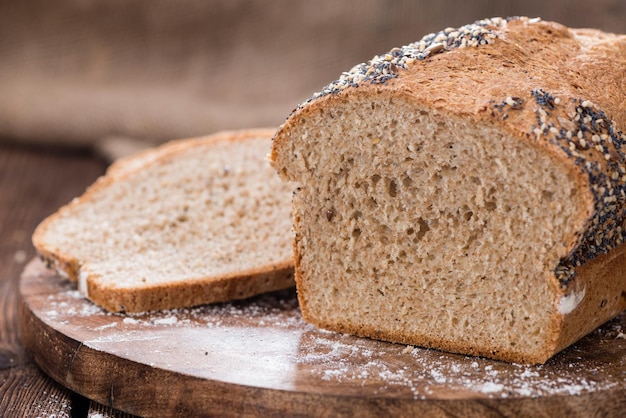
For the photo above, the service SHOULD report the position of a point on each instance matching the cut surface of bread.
(466, 192)
(192, 222)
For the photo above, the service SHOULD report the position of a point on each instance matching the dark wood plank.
(12, 354)
(34, 182)
(257, 357)
(24, 389)
(26, 392)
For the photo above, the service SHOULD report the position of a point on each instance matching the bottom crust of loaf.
(600, 281)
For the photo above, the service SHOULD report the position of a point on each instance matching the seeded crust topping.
(590, 138)
(595, 143)
(384, 67)
(586, 137)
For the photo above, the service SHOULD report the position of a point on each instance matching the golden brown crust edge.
(206, 290)
(242, 285)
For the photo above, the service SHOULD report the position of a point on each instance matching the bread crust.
(202, 290)
(558, 89)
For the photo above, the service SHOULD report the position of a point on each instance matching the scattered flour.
(103, 327)
(490, 387)
(168, 320)
(368, 365)
(426, 372)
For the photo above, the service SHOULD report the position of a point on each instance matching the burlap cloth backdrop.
(119, 74)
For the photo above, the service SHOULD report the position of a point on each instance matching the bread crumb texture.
(196, 221)
(462, 188)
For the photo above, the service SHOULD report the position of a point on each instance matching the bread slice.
(465, 192)
(192, 222)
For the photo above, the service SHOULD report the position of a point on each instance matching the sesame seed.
(608, 180)
(434, 48)
(566, 123)
(384, 67)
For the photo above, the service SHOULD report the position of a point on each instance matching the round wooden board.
(258, 358)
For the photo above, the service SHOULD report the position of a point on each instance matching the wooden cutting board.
(258, 358)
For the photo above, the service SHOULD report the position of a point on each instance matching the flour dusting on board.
(425, 372)
(364, 365)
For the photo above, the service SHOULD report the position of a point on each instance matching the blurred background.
(116, 75)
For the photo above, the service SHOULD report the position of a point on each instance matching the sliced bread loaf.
(466, 192)
(192, 222)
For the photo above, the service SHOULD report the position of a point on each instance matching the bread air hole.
(423, 229)
(547, 196)
(392, 188)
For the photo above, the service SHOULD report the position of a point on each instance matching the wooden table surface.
(34, 182)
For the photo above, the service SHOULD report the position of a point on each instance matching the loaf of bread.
(465, 192)
(192, 222)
